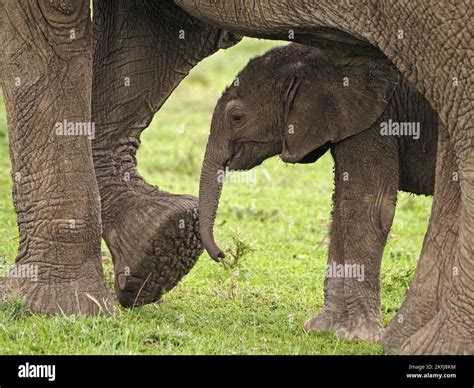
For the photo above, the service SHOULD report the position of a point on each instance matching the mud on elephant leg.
(153, 238)
(432, 276)
(144, 49)
(47, 61)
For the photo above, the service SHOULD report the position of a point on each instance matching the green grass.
(256, 305)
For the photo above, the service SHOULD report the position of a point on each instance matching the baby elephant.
(299, 101)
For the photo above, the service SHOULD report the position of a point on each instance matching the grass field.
(255, 307)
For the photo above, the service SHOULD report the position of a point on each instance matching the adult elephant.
(143, 50)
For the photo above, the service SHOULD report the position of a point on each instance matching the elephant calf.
(298, 101)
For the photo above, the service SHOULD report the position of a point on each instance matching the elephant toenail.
(121, 281)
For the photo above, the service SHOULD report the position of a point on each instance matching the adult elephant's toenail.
(121, 281)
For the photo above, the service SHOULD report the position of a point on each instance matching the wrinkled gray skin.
(301, 88)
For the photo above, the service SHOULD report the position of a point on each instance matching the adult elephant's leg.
(432, 277)
(451, 329)
(46, 62)
(143, 50)
(364, 205)
(447, 326)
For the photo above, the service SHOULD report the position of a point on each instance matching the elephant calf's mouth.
(314, 155)
(248, 154)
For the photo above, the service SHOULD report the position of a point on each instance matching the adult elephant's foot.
(361, 328)
(451, 328)
(423, 299)
(326, 320)
(430, 283)
(442, 335)
(153, 237)
(50, 290)
(411, 317)
(420, 306)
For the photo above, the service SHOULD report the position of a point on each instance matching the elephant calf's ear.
(290, 94)
(333, 102)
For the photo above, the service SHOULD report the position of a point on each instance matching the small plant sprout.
(234, 255)
(233, 261)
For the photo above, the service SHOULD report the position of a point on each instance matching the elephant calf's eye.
(237, 117)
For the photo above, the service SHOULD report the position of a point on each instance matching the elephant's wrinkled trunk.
(212, 176)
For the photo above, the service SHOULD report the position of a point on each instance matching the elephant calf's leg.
(47, 61)
(334, 313)
(366, 177)
(144, 50)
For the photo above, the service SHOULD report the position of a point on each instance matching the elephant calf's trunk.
(209, 193)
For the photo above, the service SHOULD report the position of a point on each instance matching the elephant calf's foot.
(350, 329)
(153, 237)
(361, 328)
(47, 293)
(325, 320)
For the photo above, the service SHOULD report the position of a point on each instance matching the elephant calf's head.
(293, 101)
